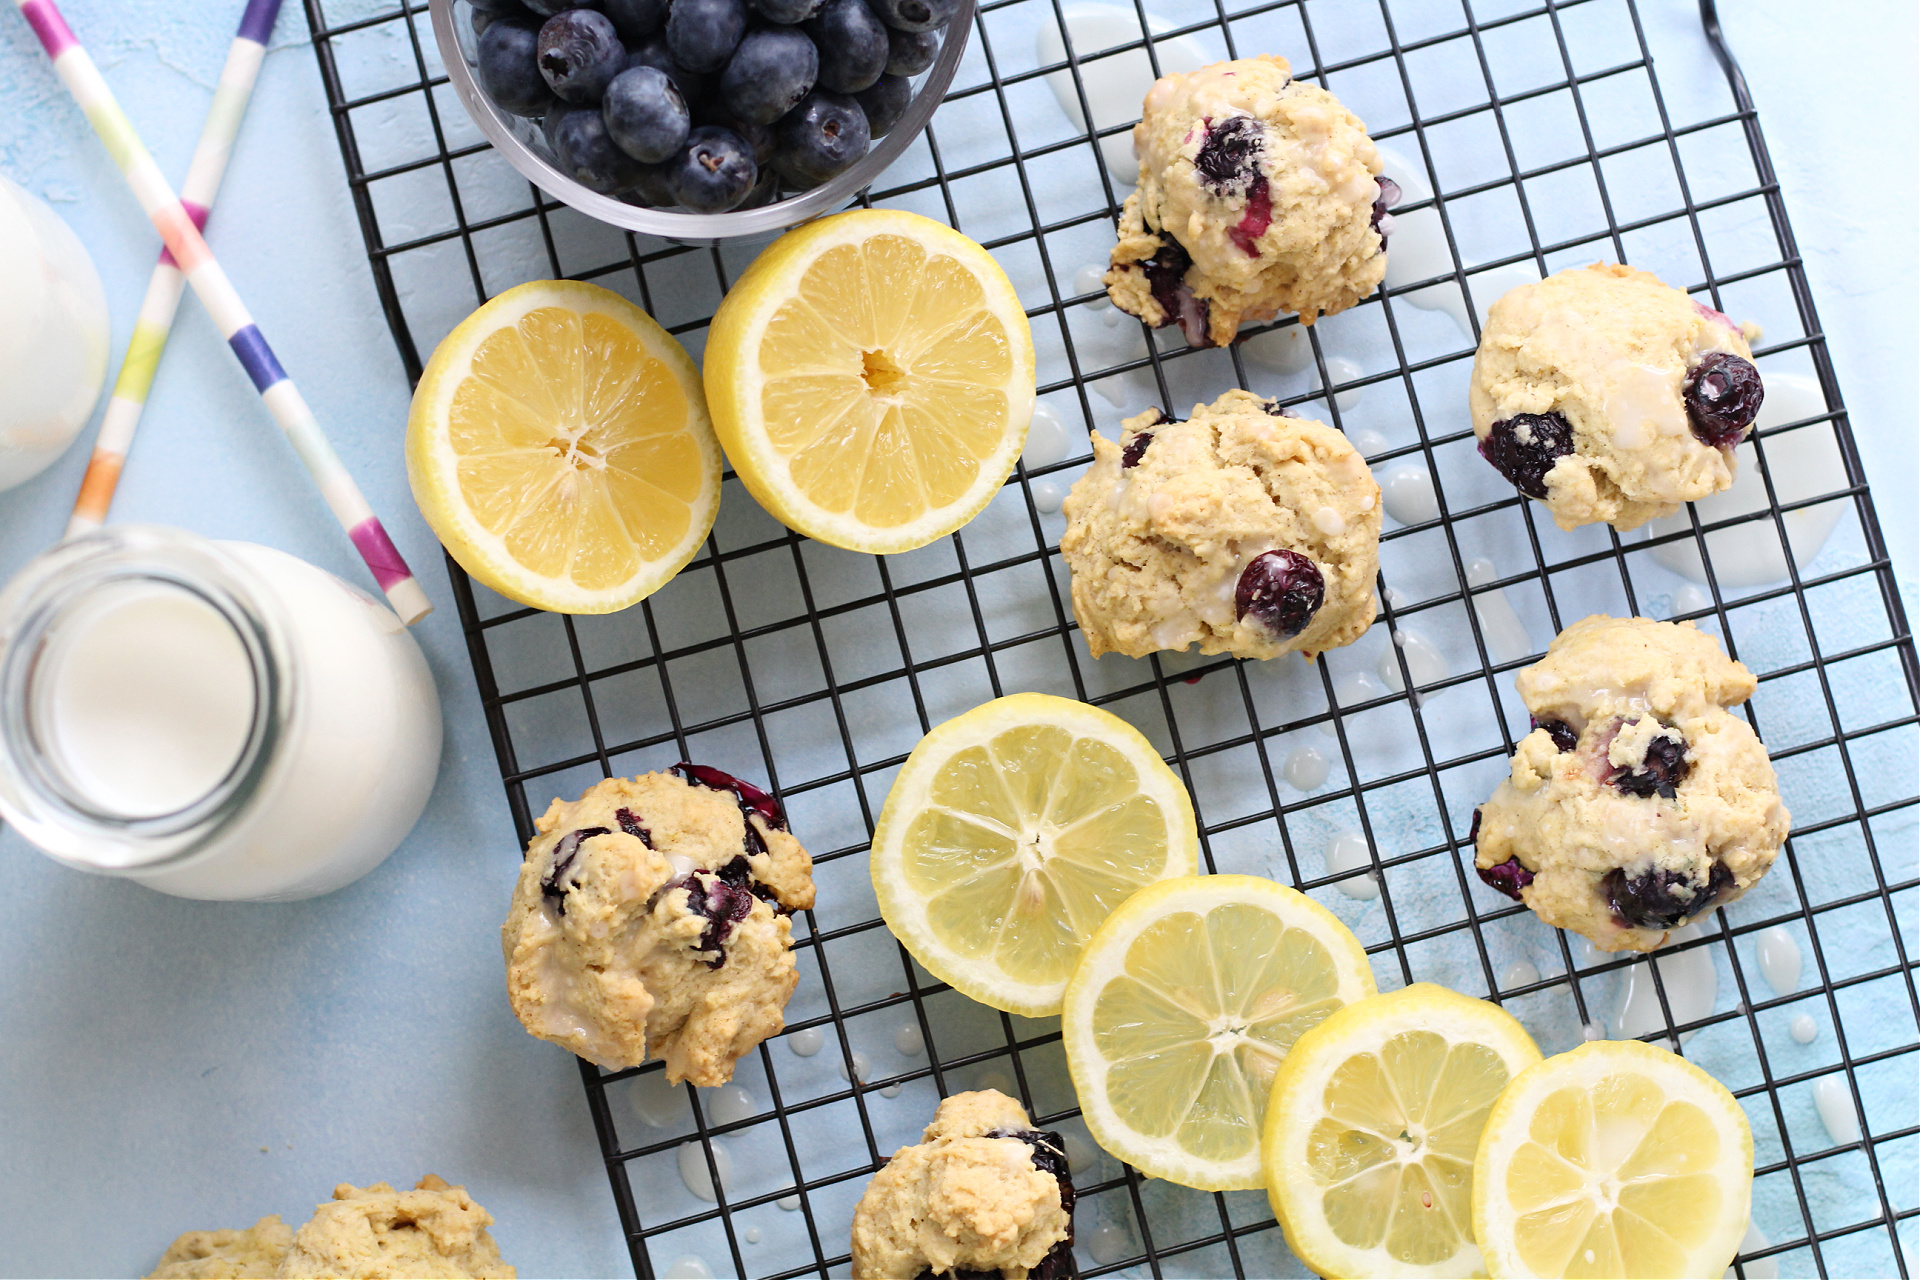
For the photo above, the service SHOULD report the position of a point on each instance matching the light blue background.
(167, 1064)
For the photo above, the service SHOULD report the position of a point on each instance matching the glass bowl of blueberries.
(701, 120)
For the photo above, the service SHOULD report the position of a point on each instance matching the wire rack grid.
(1550, 142)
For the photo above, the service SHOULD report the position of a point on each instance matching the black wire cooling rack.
(815, 670)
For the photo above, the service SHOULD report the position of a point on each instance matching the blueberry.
(723, 901)
(646, 115)
(1049, 1155)
(750, 797)
(1281, 589)
(819, 138)
(1229, 156)
(1389, 196)
(1508, 877)
(1561, 732)
(768, 74)
(555, 885)
(911, 52)
(915, 15)
(631, 825)
(1661, 899)
(653, 52)
(1659, 774)
(1723, 395)
(786, 12)
(580, 53)
(1166, 273)
(635, 19)
(714, 171)
(702, 34)
(586, 153)
(480, 20)
(765, 191)
(1526, 446)
(885, 102)
(509, 68)
(1274, 409)
(1133, 450)
(852, 43)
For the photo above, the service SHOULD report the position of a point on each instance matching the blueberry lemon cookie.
(982, 1194)
(651, 917)
(1242, 529)
(375, 1232)
(1637, 802)
(1258, 194)
(1611, 396)
(252, 1253)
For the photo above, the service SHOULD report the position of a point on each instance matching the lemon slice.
(871, 377)
(1372, 1127)
(1183, 1005)
(560, 448)
(1617, 1159)
(1009, 835)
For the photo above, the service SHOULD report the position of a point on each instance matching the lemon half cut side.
(1183, 1006)
(559, 446)
(1614, 1159)
(1372, 1128)
(1010, 834)
(871, 379)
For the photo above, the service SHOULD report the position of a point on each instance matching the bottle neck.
(144, 691)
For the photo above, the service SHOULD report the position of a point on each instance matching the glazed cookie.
(375, 1232)
(1242, 529)
(1258, 194)
(1611, 396)
(651, 917)
(248, 1254)
(1637, 803)
(982, 1194)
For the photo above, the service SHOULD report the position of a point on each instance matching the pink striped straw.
(190, 252)
(157, 309)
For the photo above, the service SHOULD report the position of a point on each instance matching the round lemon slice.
(1010, 834)
(871, 378)
(1616, 1159)
(1183, 1006)
(560, 448)
(1372, 1127)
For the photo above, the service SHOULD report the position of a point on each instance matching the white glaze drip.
(862, 1068)
(688, 1267)
(1520, 973)
(1049, 438)
(1500, 627)
(1088, 280)
(1117, 84)
(806, 1043)
(1306, 768)
(1803, 1029)
(1408, 494)
(1287, 350)
(1779, 955)
(729, 1104)
(694, 1171)
(907, 1040)
(1047, 496)
(1834, 1101)
(1107, 1243)
(657, 1103)
(1348, 852)
(1690, 983)
(1425, 662)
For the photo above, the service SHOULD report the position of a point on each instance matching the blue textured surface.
(167, 1065)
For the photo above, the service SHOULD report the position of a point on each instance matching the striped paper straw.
(190, 252)
(157, 309)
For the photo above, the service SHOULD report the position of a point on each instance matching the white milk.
(53, 335)
(214, 720)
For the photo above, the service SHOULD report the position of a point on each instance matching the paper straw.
(190, 252)
(157, 309)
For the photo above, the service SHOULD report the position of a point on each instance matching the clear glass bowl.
(522, 143)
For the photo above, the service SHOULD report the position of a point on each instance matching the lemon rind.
(905, 913)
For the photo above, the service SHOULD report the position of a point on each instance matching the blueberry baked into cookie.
(1610, 396)
(1258, 194)
(651, 919)
(1241, 529)
(982, 1195)
(1637, 802)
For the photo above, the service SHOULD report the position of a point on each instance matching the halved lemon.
(1010, 834)
(1616, 1159)
(1372, 1127)
(560, 448)
(871, 378)
(1183, 1006)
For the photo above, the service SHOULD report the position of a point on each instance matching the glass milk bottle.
(212, 719)
(53, 335)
